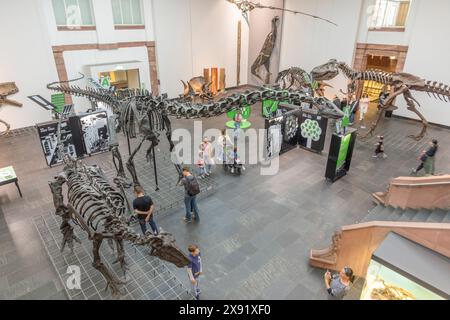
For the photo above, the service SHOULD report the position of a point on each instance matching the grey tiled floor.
(256, 231)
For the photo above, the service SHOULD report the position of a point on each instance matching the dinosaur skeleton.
(99, 210)
(197, 87)
(264, 56)
(400, 83)
(298, 79)
(138, 111)
(247, 6)
(6, 89)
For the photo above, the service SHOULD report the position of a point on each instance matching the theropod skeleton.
(296, 78)
(265, 55)
(400, 83)
(139, 112)
(100, 211)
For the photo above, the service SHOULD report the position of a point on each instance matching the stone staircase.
(382, 213)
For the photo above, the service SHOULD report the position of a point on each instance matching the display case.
(404, 270)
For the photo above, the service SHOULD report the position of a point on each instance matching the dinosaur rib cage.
(93, 197)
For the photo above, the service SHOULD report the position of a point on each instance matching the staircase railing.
(417, 193)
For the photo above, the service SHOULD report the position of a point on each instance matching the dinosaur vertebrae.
(142, 101)
(437, 89)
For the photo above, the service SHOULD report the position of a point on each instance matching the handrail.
(419, 184)
(402, 224)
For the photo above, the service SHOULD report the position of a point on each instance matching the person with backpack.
(192, 189)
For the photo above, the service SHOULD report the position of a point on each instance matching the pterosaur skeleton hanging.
(247, 6)
(400, 83)
(99, 210)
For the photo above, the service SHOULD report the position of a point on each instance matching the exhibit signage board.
(47, 133)
(94, 127)
(269, 108)
(340, 155)
(59, 101)
(282, 132)
(313, 129)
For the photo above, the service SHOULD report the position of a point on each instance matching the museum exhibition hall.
(224, 150)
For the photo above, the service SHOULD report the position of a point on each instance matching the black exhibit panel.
(340, 155)
(313, 130)
(48, 137)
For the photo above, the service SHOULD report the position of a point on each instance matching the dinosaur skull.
(326, 71)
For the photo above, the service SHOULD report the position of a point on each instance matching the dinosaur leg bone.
(111, 280)
(386, 105)
(120, 254)
(412, 107)
(130, 163)
(5, 132)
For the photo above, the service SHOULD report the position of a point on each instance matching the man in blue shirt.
(194, 269)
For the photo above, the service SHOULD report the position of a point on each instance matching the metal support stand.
(129, 146)
(154, 168)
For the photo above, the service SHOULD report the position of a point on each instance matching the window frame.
(388, 27)
(77, 27)
(125, 26)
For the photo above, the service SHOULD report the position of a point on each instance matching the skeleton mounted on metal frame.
(99, 210)
(400, 83)
(197, 87)
(298, 79)
(6, 89)
(138, 112)
(265, 54)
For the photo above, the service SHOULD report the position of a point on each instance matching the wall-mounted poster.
(94, 131)
(47, 132)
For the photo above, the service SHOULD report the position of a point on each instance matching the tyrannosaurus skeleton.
(400, 83)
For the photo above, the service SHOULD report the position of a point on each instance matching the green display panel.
(269, 107)
(343, 150)
(246, 111)
(59, 101)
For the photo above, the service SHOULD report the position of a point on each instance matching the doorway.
(390, 58)
(120, 79)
